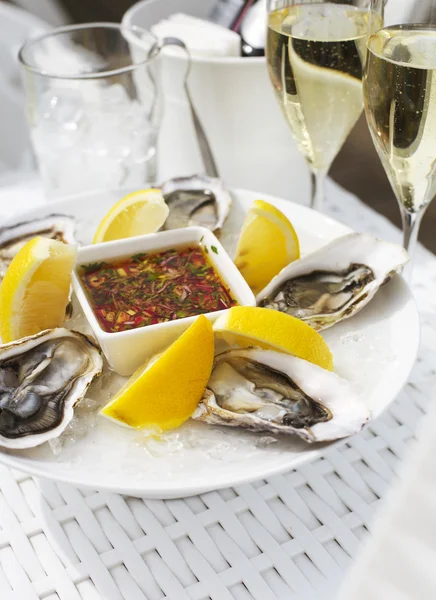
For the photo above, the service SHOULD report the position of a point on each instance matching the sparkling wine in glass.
(316, 54)
(400, 105)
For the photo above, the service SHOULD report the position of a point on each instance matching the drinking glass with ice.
(93, 107)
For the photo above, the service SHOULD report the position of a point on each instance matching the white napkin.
(203, 38)
(398, 559)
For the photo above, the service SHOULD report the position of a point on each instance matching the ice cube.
(87, 406)
(63, 107)
(115, 96)
(352, 336)
(60, 124)
(143, 145)
(111, 106)
(265, 440)
(220, 451)
(100, 139)
(135, 118)
(158, 443)
(56, 446)
(78, 427)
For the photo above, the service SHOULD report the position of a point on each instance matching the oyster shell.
(13, 237)
(196, 200)
(42, 378)
(335, 282)
(265, 390)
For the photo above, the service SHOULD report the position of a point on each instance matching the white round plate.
(375, 351)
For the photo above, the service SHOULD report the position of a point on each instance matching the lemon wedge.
(267, 243)
(139, 213)
(165, 392)
(35, 290)
(271, 329)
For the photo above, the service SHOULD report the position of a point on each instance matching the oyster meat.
(42, 378)
(265, 390)
(335, 282)
(196, 200)
(13, 237)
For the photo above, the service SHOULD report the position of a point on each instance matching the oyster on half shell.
(13, 237)
(42, 378)
(196, 200)
(335, 282)
(265, 390)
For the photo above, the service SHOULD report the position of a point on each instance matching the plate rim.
(256, 473)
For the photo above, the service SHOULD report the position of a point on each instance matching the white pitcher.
(251, 142)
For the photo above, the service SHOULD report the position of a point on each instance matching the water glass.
(93, 106)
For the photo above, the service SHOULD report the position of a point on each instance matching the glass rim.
(132, 29)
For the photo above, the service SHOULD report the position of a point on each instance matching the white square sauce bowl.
(128, 350)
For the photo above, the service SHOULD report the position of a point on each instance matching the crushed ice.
(159, 444)
(212, 442)
(265, 441)
(352, 337)
(56, 445)
(84, 419)
(100, 132)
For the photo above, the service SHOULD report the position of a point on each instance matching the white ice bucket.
(251, 142)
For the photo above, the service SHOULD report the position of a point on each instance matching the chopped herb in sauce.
(146, 289)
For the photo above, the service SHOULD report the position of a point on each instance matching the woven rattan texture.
(291, 536)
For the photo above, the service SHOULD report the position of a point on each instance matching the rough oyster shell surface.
(265, 390)
(42, 378)
(196, 200)
(335, 282)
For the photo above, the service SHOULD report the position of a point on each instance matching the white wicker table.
(291, 536)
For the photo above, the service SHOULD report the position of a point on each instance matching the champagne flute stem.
(411, 223)
(318, 189)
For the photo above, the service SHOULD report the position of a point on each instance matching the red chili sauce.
(152, 288)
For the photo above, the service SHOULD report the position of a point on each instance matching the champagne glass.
(400, 105)
(315, 55)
